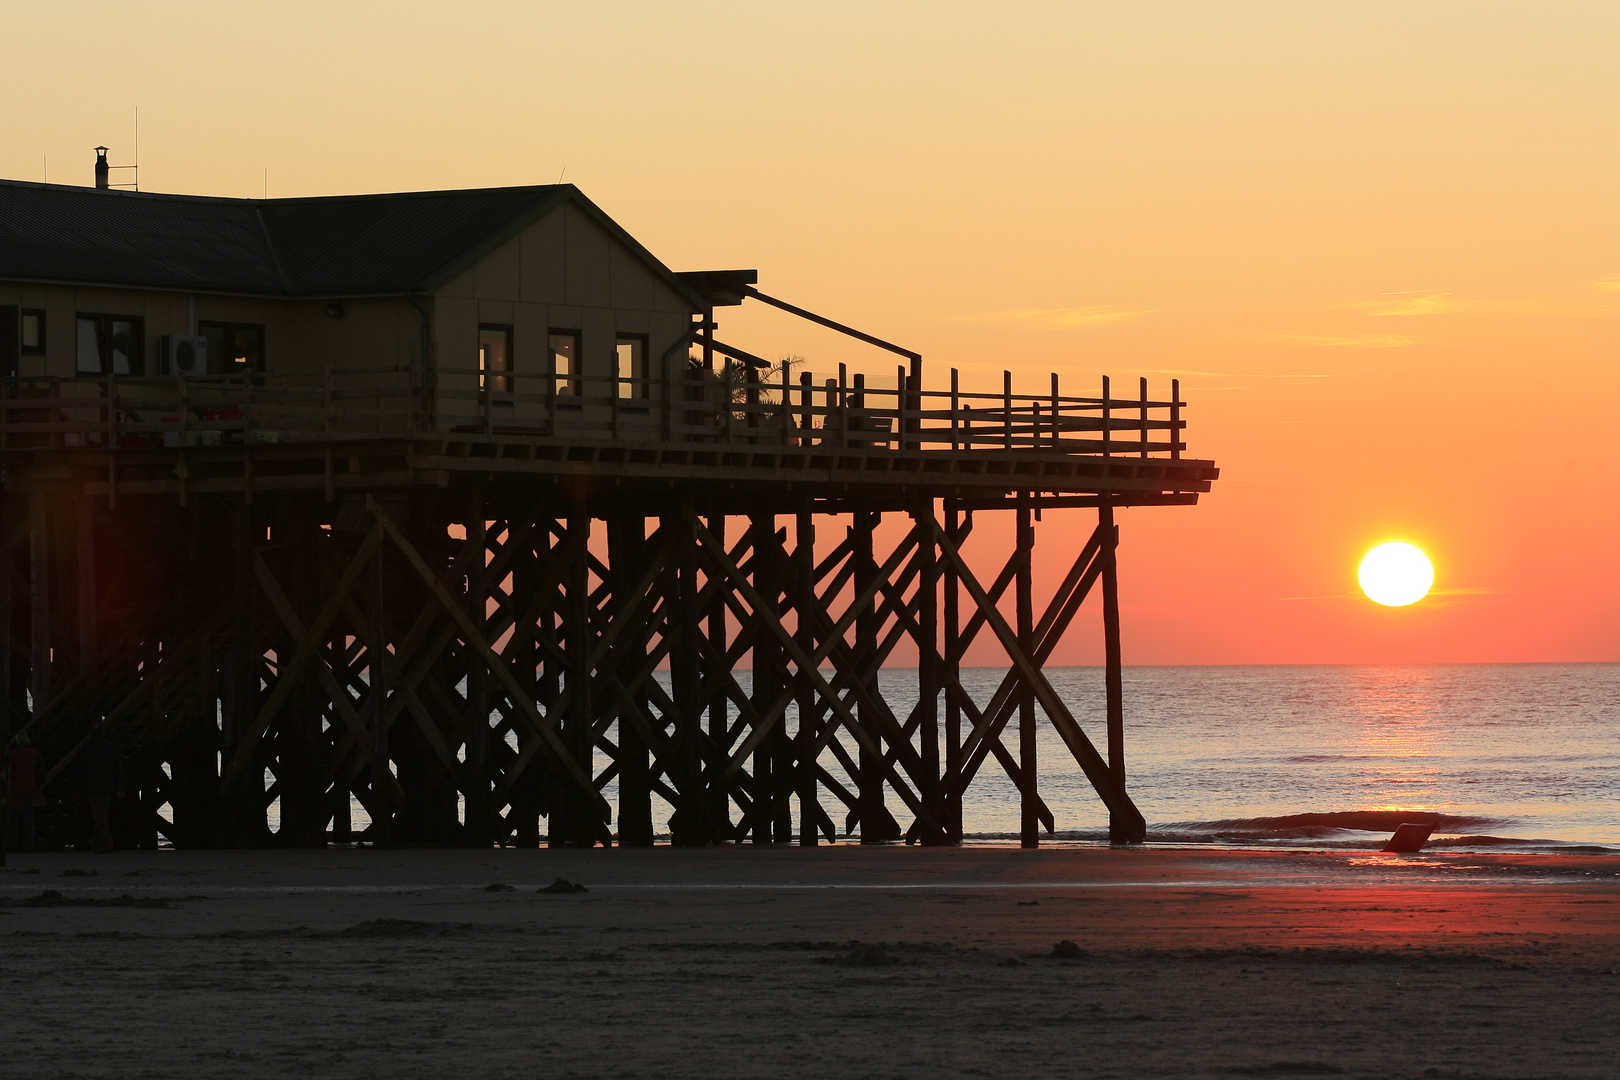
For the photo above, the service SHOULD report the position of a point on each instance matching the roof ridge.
(81, 189)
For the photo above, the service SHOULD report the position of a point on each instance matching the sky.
(1379, 243)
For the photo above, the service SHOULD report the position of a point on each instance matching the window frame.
(104, 343)
(499, 380)
(204, 325)
(23, 315)
(639, 384)
(569, 384)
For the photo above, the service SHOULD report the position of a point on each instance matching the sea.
(1518, 757)
(1510, 756)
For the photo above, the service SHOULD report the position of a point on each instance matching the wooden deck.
(354, 430)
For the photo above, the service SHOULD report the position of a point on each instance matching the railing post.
(1175, 418)
(725, 396)
(956, 405)
(1144, 411)
(1006, 410)
(858, 422)
(1105, 417)
(786, 407)
(915, 382)
(807, 421)
(1057, 438)
(751, 399)
(900, 392)
(843, 406)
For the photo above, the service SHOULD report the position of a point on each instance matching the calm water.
(1511, 755)
(1505, 752)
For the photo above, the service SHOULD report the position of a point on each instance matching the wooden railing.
(696, 406)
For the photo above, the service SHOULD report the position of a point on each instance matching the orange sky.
(1381, 241)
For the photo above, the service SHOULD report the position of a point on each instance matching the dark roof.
(345, 245)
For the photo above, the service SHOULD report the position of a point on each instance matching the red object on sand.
(1410, 837)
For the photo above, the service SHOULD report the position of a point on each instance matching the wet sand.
(742, 962)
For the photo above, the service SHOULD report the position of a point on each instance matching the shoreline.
(839, 960)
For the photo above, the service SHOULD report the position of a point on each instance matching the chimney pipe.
(102, 180)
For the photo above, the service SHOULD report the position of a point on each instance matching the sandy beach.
(741, 962)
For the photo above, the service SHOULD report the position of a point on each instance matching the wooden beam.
(1085, 755)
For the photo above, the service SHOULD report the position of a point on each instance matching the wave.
(1320, 825)
(1343, 841)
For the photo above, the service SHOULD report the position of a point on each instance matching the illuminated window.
(565, 361)
(631, 362)
(494, 357)
(109, 345)
(233, 348)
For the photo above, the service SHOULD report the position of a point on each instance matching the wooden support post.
(627, 561)
(541, 680)
(1029, 808)
(241, 820)
(952, 673)
(89, 613)
(805, 697)
(39, 603)
(299, 768)
(479, 825)
(571, 823)
(1120, 831)
(381, 833)
(687, 825)
(5, 650)
(763, 689)
(877, 824)
(928, 674)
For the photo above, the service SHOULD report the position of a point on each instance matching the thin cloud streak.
(1352, 341)
(1232, 374)
(1060, 318)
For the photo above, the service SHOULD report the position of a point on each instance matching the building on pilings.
(453, 507)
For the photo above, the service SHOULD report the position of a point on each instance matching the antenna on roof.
(560, 175)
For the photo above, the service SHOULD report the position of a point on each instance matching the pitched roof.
(344, 245)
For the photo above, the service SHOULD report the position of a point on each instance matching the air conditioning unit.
(185, 354)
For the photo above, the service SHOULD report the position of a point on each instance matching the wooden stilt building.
(453, 507)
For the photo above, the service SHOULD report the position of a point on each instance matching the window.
(233, 348)
(33, 332)
(631, 364)
(8, 340)
(565, 361)
(494, 355)
(110, 345)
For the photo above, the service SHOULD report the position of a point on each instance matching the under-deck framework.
(491, 611)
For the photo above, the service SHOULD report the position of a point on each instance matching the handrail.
(702, 406)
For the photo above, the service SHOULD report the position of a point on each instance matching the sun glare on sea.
(1395, 574)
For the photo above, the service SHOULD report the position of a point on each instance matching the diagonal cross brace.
(1085, 755)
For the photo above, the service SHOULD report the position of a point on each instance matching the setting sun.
(1395, 574)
